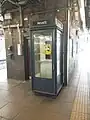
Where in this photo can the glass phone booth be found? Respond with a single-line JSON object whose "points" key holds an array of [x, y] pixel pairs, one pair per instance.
{"points": [[46, 57]]}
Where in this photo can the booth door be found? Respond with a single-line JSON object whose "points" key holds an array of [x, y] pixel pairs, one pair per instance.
{"points": [[59, 53], [43, 61]]}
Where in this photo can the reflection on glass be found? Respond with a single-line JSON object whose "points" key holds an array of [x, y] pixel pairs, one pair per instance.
{"points": [[58, 52], [43, 53]]}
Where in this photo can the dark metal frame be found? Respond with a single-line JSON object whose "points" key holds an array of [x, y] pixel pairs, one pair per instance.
{"points": [[47, 83]]}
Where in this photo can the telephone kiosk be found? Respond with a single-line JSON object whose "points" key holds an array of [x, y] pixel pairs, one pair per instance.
{"points": [[46, 55]]}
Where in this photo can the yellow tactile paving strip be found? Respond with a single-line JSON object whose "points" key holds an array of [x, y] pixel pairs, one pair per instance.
{"points": [[78, 116], [80, 105]]}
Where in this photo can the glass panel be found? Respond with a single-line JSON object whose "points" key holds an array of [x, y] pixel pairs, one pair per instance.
{"points": [[58, 52], [43, 53]]}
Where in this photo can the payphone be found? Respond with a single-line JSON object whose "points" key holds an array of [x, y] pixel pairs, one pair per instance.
{"points": [[46, 55]]}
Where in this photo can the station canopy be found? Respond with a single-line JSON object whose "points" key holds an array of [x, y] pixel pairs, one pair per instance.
{"points": [[14, 4]]}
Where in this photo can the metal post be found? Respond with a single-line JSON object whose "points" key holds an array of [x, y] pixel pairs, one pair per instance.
{"points": [[26, 59], [65, 47]]}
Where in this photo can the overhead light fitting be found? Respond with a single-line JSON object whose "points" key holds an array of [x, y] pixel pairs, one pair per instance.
{"points": [[70, 8], [25, 19], [75, 4], [58, 10]]}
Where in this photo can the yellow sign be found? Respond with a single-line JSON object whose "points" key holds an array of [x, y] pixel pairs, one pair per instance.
{"points": [[48, 49]]}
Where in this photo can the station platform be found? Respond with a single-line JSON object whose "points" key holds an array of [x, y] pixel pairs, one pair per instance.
{"points": [[18, 102]]}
